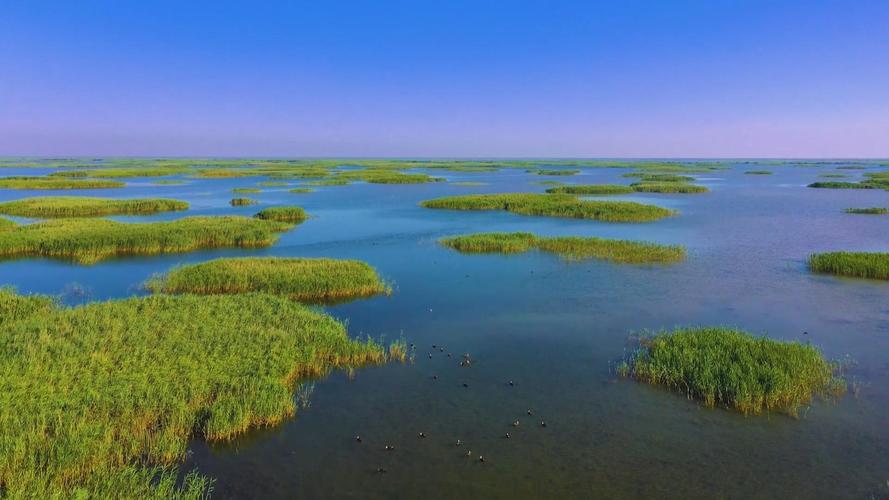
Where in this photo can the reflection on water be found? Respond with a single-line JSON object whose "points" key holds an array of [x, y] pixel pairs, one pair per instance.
{"points": [[554, 328]]}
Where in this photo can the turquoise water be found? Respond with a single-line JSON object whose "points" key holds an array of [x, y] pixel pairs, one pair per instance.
{"points": [[555, 329]]}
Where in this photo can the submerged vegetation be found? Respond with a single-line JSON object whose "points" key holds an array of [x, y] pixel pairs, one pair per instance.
{"points": [[759, 172], [284, 214], [868, 211], [840, 185], [554, 205], [100, 400], [87, 241], [873, 265], [246, 190], [78, 206], [312, 280], [568, 247], [646, 177], [734, 369], [300, 190], [49, 183]]}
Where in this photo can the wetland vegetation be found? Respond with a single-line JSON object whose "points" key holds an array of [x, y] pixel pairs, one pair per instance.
{"points": [[872, 265], [733, 369], [868, 211], [87, 241], [568, 247], [240, 202], [283, 214], [50, 183], [553, 205], [81, 206], [100, 400], [310, 280]]}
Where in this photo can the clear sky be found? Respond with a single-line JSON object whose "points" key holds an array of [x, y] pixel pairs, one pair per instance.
{"points": [[710, 78]]}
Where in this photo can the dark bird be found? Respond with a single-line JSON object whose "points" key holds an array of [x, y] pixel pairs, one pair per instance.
{"points": [[465, 385], [542, 423], [358, 438], [389, 447], [434, 346], [481, 458], [435, 377], [511, 383], [381, 470], [421, 435], [529, 412], [430, 355], [507, 435], [805, 333]]}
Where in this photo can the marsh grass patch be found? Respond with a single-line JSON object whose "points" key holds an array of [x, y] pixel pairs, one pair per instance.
{"points": [[82, 206]]}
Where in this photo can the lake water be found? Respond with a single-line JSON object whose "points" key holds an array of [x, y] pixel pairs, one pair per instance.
{"points": [[555, 329]]}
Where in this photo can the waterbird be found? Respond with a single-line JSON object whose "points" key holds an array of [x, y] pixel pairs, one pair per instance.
{"points": [[435, 377], [805, 333], [430, 355], [389, 447], [459, 442], [358, 438], [465, 384], [421, 435], [381, 470], [511, 383], [542, 423], [481, 458], [529, 412], [469, 453], [515, 424], [507, 435]]}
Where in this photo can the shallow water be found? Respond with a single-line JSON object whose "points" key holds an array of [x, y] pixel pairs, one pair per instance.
{"points": [[554, 328]]}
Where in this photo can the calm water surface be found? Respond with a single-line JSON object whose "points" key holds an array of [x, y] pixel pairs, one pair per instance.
{"points": [[555, 329]]}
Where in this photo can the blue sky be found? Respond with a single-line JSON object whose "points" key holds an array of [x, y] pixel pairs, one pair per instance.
{"points": [[453, 78]]}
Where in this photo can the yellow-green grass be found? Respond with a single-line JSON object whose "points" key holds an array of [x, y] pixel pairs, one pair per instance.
{"points": [[238, 202], [100, 400], [835, 176], [283, 214], [733, 369], [385, 177], [300, 190], [555, 172], [569, 247], [246, 190], [49, 183], [873, 265], [309, 280], [868, 211], [81, 206], [668, 187], [6, 224], [272, 184], [553, 205], [758, 172], [592, 189], [87, 241]]}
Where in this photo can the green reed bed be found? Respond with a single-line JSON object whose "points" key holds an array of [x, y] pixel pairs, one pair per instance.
{"points": [[840, 185], [553, 205], [668, 187], [733, 369], [868, 211], [592, 189], [646, 177], [246, 190], [283, 214], [311, 280], [87, 241], [240, 202], [123, 172], [758, 172], [568, 247], [834, 176], [873, 265], [273, 184], [49, 183], [6, 224], [300, 190], [543, 171], [101, 400], [81, 206], [329, 182], [385, 177]]}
